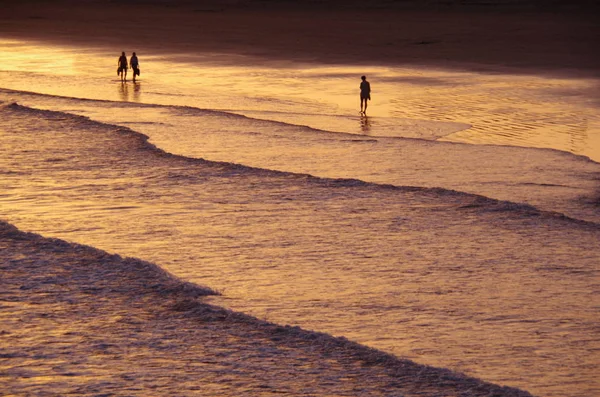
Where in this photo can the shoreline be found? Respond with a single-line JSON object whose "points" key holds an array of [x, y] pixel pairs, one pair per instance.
{"points": [[54, 131], [77, 319]]}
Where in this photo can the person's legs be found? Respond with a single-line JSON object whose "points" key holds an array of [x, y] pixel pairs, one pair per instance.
{"points": [[363, 104]]}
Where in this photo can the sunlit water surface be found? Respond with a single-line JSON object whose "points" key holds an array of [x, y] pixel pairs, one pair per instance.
{"points": [[497, 290]]}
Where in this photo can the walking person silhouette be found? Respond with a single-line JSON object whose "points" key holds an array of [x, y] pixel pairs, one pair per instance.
{"points": [[135, 65], [122, 67], [365, 94]]}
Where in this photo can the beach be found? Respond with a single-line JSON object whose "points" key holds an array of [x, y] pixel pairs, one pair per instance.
{"points": [[76, 320], [536, 37], [230, 225]]}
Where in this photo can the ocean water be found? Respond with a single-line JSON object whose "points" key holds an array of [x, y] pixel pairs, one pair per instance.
{"points": [[458, 225]]}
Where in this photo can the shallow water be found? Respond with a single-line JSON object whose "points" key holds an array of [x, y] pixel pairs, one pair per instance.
{"points": [[422, 261]]}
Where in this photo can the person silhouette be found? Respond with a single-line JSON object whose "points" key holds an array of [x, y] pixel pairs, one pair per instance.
{"points": [[135, 65], [122, 66], [365, 94]]}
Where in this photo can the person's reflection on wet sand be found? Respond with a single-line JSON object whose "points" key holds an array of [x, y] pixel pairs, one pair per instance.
{"points": [[124, 92], [365, 124], [137, 91]]}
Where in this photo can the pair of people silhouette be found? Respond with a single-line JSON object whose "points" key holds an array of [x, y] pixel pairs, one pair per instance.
{"points": [[123, 66]]}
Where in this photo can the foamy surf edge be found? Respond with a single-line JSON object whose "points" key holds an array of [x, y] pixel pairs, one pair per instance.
{"points": [[241, 114], [479, 203], [38, 268]]}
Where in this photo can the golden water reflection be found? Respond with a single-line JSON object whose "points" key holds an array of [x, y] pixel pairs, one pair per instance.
{"points": [[365, 124], [130, 91], [502, 109], [444, 278], [277, 243]]}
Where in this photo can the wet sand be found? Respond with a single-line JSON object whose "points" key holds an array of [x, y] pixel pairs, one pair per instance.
{"points": [[77, 320], [533, 37]]}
